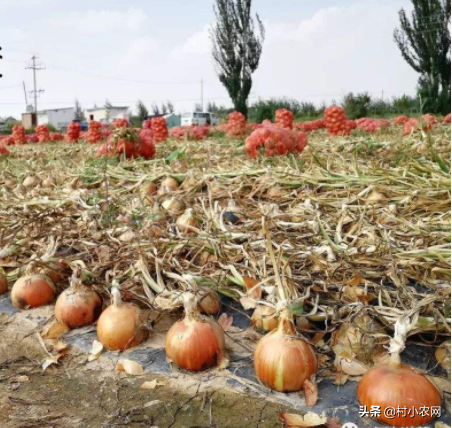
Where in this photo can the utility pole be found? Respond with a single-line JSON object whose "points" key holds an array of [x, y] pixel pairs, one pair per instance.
{"points": [[35, 91], [202, 95], [25, 93]]}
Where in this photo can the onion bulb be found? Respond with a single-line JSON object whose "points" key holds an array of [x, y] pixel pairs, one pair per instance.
{"points": [[210, 303], [31, 181], [32, 290], [186, 221], [282, 360], [264, 318], [194, 343], [78, 305], [250, 284], [275, 192], [168, 185], [3, 283], [173, 205], [119, 327], [190, 183], [398, 385], [147, 190]]}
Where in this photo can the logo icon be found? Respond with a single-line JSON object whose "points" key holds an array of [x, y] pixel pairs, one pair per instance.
{"points": [[349, 425]]}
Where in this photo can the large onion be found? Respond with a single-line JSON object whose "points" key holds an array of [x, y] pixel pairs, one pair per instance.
{"points": [[194, 343], [395, 385], [168, 185], [32, 290], [283, 361], [78, 305], [264, 318], [3, 283], [119, 327]]}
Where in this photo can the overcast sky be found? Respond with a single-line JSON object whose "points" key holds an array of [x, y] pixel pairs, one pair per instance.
{"points": [[157, 50]]}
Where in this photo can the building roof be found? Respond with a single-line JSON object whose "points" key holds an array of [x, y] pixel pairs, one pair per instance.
{"points": [[55, 109], [104, 108]]}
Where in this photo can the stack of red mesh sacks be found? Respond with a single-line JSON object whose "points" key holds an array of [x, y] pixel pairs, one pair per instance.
{"points": [[275, 140], [127, 141], [73, 132], [401, 120], [94, 134], [311, 125], [284, 118], [447, 119], [372, 125], [336, 121], [19, 134], [159, 128], [43, 133], [120, 123], [3, 150], [32, 138], [189, 133], [428, 121], [236, 125]]}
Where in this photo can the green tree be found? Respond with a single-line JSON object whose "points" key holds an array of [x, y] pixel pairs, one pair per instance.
{"points": [[78, 113], [425, 45], [155, 109], [237, 48], [142, 111], [357, 106], [107, 107]]}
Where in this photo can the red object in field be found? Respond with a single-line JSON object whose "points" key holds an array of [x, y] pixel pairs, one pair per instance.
{"points": [[351, 124], [43, 133], [147, 148], [73, 132], [19, 134], [3, 150], [410, 126], [401, 120], [160, 129], [120, 123], [32, 138], [189, 133], [7, 140], [147, 124], [94, 134], [430, 119], [236, 125], [56, 136], [447, 119], [336, 121], [372, 125], [284, 118], [275, 140], [311, 125]]}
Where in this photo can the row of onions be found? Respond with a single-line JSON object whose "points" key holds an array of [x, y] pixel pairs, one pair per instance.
{"points": [[284, 360]]}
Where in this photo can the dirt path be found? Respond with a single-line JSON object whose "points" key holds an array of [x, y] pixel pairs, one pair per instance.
{"points": [[76, 394]]}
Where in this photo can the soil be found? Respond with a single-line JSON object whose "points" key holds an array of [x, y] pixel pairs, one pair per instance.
{"points": [[75, 393]]}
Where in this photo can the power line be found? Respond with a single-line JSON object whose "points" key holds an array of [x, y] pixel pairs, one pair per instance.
{"points": [[35, 67]]}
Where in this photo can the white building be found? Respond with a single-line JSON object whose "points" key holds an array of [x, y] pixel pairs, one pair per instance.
{"points": [[103, 114], [58, 117]]}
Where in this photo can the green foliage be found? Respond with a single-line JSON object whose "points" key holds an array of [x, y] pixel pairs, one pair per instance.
{"points": [[357, 106], [265, 109], [142, 111], [78, 113], [424, 42]]}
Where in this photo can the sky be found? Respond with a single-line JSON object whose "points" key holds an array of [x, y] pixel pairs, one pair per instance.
{"points": [[157, 50]]}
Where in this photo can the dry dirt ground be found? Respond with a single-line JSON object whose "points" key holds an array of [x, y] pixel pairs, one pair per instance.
{"points": [[76, 394]]}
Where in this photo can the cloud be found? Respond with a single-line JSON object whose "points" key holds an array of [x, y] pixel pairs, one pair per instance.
{"points": [[140, 50], [101, 21], [197, 44]]}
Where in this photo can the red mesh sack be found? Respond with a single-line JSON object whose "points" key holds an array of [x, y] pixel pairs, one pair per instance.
{"points": [[284, 118], [56, 136], [19, 134], [447, 119], [32, 138], [311, 125], [42, 131], [410, 126], [351, 124], [275, 140], [147, 148], [236, 125], [3, 150], [160, 129], [94, 134], [147, 124], [430, 119], [73, 132], [120, 123], [336, 121], [190, 133], [401, 120]]}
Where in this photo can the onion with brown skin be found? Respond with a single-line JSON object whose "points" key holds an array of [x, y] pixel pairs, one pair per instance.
{"points": [[210, 303], [398, 385], [186, 221], [250, 284], [282, 360], [78, 306], [195, 343], [264, 318], [3, 282], [168, 185], [32, 290], [119, 327]]}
